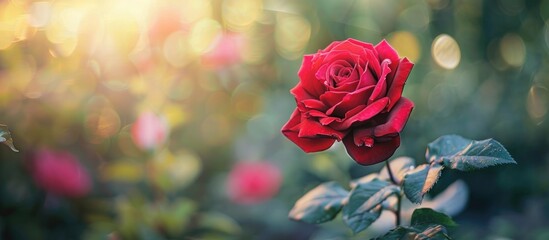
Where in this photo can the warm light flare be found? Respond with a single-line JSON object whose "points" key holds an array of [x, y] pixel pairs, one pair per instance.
{"points": [[446, 52]]}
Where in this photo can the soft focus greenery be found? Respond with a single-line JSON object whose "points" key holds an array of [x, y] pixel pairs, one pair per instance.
{"points": [[75, 75]]}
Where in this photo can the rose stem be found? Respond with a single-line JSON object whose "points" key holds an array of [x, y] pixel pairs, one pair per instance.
{"points": [[397, 213], [391, 173]]}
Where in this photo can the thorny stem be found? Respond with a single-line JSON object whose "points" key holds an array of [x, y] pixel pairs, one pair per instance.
{"points": [[399, 197]]}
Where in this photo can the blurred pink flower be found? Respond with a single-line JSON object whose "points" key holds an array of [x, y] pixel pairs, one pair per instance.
{"points": [[253, 182], [60, 173], [225, 51], [149, 131], [166, 21]]}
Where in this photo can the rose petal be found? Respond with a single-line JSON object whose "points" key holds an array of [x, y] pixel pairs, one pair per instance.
{"points": [[351, 101], [328, 73], [307, 77], [363, 137], [347, 56], [396, 120], [314, 104], [332, 98], [365, 45], [356, 47], [381, 86], [313, 129], [370, 111], [300, 93], [327, 120], [345, 86], [291, 130], [315, 113], [345, 75], [366, 51], [379, 152], [385, 51], [366, 78], [397, 85], [373, 63], [330, 47]]}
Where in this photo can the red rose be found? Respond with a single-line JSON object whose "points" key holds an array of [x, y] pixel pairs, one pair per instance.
{"points": [[253, 182], [60, 173], [351, 92]]}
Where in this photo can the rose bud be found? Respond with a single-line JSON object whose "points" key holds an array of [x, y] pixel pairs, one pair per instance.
{"points": [[351, 92], [149, 131], [253, 182], [59, 173], [224, 52]]}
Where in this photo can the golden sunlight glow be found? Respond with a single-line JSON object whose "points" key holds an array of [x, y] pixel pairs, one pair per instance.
{"points": [[203, 34], [258, 46], [64, 23], [292, 33], [406, 44], [103, 123], [445, 51], [39, 14], [13, 23], [123, 171], [177, 50], [192, 10], [240, 14]]}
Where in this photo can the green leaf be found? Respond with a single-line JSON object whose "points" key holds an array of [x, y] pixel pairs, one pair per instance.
{"points": [[464, 154], [5, 137], [400, 166], [219, 223], [365, 196], [398, 233], [358, 221], [364, 205], [434, 232], [364, 179], [427, 216], [446, 145], [321, 204], [416, 232], [426, 224], [419, 181]]}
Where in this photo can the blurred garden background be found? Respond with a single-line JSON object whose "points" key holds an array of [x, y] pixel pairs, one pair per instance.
{"points": [[142, 119]]}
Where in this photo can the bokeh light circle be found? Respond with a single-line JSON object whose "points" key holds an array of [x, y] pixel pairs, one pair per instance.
{"points": [[513, 50], [446, 52], [292, 33], [203, 34], [537, 102]]}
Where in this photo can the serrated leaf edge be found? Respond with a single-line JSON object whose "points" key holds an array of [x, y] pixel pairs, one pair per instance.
{"points": [[411, 197], [426, 188]]}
